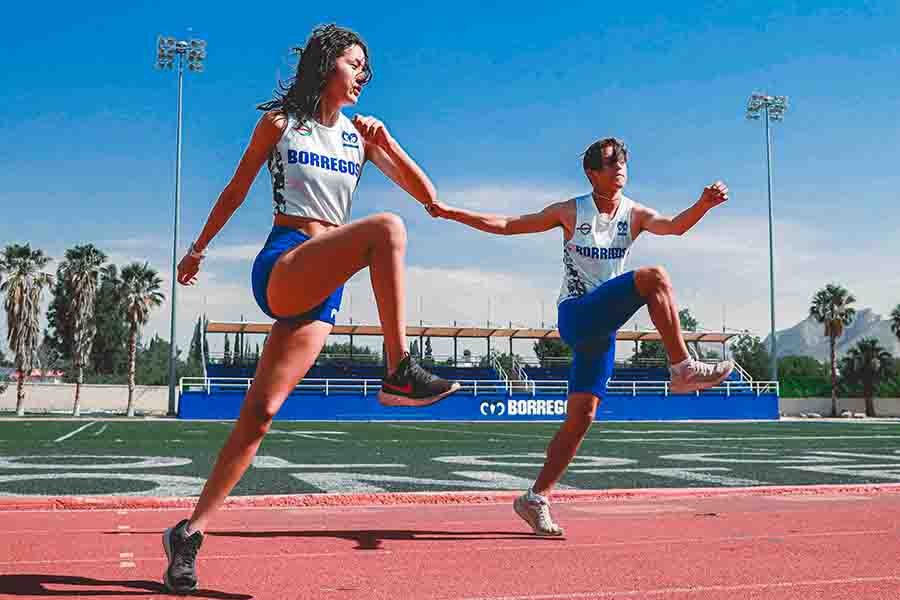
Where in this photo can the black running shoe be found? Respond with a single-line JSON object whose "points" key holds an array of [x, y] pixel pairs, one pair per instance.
{"points": [[411, 385], [181, 576]]}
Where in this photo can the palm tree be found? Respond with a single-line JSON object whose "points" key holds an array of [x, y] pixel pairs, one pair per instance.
{"points": [[24, 285], [895, 321], [831, 307], [80, 272], [141, 294], [867, 363]]}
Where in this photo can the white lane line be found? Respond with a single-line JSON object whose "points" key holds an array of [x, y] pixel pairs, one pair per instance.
{"points": [[126, 554], [490, 547], [694, 589], [70, 434], [102, 429], [126, 564]]}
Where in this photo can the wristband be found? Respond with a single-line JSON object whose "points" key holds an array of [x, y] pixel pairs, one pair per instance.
{"points": [[194, 254]]}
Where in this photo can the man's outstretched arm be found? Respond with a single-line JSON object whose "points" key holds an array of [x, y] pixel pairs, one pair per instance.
{"points": [[544, 220], [652, 221]]}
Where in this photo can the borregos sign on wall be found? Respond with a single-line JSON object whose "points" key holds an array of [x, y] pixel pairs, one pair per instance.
{"points": [[532, 407]]}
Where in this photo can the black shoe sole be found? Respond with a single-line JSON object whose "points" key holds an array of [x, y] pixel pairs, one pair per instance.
{"points": [[388, 399], [169, 585]]}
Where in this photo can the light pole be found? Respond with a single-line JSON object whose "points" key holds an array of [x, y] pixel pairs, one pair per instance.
{"points": [[194, 51], [772, 109]]}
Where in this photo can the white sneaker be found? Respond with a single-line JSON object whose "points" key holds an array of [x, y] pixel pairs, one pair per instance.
{"points": [[699, 376], [537, 515]]}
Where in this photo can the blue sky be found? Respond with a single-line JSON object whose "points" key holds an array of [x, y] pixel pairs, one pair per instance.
{"points": [[496, 101]]}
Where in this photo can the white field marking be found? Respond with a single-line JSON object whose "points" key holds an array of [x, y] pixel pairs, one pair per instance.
{"points": [[765, 457], [136, 462], [753, 438], [123, 527], [364, 483], [486, 548], [471, 433], [121, 512], [273, 462], [694, 589], [312, 435], [71, 433], [691, 474], [126, 554], [166, 485], [858, 454], [661, 431], [885, 471], [537, 460], [126, 564], [101, 430]]}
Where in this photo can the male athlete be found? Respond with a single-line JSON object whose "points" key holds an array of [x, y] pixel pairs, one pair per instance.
{"points": [[598, 297]]}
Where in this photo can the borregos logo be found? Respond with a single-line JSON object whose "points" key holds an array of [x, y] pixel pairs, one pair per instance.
{"points": [[543, 408], [497, 409]]}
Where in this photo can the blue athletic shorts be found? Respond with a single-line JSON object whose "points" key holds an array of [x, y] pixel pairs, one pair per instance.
{"points": [[280, 240], [588, 324]]}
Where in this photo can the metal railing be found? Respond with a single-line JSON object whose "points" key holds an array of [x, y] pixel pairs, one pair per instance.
{"points": [[518, 369], [483, 386], [495, 364]]}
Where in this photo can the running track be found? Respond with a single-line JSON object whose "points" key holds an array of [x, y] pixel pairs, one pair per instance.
{"points": [[826, 543]]}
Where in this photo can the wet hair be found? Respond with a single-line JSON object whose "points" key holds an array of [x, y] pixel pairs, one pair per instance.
{"points": [[593, 157], [299, 96]]}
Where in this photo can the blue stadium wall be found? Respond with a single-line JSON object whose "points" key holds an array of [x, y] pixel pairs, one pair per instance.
{"points": [[465, 407]]}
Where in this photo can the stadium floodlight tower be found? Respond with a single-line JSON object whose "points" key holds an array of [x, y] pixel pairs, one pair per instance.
{"points": [[771, 108], [193, 51]]}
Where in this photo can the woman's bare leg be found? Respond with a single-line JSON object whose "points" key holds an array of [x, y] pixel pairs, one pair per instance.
{"points": [[290, 351], [304, 276]]}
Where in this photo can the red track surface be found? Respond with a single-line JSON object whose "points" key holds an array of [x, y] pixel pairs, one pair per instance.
{"points": [[832, 544]]}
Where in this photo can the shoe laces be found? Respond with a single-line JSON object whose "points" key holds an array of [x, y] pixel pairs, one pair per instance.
{"points": [[187, 553], [544, 517], [702, 368], [416, 373]]}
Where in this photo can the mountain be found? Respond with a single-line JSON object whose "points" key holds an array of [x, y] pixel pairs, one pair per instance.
{"points": [[807, 338]]}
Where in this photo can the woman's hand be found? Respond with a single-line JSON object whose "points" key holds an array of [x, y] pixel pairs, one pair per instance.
{"points": [[372, 130], [438, 210], [189, 267]]}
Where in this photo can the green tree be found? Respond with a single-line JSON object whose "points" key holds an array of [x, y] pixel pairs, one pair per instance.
{"points": [[59, 333], [141, 294], [867, 363], [895, 321], [226, 353], [153, 363], [80, 271], [109, 354], [751, 354], [550, 348], [831, 307], [23, 282], [687, 320]]}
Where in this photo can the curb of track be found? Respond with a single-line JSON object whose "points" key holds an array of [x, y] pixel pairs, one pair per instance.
{"points": [[10, 503]]}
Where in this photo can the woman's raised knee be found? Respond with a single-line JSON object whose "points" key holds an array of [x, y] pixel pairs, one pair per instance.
{"points": [[392, 226]]}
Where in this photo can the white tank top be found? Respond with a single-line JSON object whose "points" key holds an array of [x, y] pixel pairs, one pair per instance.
{"points": [[598, 248], [315, 169]]}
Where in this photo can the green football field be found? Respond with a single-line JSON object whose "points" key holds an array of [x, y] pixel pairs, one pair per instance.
{"points": [[172, 458]]}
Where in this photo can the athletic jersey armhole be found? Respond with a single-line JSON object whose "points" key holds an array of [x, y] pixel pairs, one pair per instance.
{"points": [[570, 204]]}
